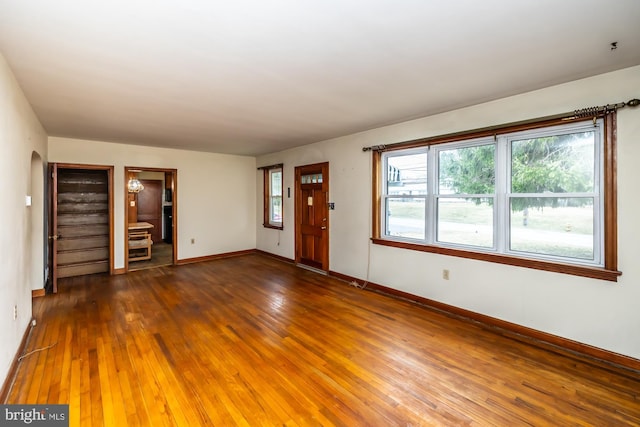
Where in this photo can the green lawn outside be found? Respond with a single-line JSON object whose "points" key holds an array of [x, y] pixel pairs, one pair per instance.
{"points": [[563, 231]]}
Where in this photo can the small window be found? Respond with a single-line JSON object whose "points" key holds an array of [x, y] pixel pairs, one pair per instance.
{"points": [[273, 197]]}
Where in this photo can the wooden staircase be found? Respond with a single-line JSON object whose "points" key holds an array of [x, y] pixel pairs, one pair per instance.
{"points": [[83, 222]]}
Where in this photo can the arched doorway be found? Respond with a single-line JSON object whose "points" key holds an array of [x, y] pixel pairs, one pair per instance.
{"points": [[37, 229]]}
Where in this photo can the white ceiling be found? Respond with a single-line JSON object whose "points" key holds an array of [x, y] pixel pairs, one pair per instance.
{"points": [[257, 76]]}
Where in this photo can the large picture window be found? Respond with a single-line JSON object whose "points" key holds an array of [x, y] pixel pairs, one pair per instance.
{"points": [[536, 197], [273, 196]]}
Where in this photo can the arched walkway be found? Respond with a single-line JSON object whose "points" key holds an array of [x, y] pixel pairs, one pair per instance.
{"points": [[37, 229]]}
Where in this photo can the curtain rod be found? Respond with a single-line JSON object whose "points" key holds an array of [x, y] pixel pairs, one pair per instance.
{"points": [[576, 114], [279, 165]]}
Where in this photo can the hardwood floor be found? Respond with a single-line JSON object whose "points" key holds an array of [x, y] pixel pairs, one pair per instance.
{"points": [[253, 341]]}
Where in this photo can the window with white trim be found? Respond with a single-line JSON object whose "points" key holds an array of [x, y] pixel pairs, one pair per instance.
{"points": [[535, 194]]}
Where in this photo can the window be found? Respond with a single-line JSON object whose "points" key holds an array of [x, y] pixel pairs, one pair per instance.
{"points": [[273, 196], [535, 197]]}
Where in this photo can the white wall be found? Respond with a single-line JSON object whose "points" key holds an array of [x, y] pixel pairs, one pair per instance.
{"points": [[215, 193], [21, 266], [600, 313]]}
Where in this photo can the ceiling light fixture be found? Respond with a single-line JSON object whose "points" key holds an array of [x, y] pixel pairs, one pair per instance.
{"points": [[134, 185]]}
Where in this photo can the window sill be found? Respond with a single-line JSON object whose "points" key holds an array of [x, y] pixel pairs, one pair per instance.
{"points": [[274, 227], [575, 270]]}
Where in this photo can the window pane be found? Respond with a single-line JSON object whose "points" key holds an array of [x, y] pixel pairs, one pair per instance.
{"points": [[276, 210], [276, 183], [466, 221], [553, 226], [558, 164], [405, 217], [407, 174], [469, 170], [275, 197]]}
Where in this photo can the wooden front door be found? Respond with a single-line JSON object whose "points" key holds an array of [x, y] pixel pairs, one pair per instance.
{"points": [[312, 215], [150, 206]]}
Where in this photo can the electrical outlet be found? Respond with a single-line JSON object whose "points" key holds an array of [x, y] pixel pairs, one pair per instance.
{"points": [[15, 312], [193, 240], [445, 274]]}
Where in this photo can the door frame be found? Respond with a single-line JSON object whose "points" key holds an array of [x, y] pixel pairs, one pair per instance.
{"points": [[174, 208], [52, 222], [299, 171]]}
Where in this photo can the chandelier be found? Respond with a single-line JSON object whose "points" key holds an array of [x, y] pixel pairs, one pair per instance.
{"points": [[134, 185]]}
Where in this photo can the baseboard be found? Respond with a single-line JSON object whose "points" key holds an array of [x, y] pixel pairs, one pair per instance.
{"points": [[278, 257], [36, 293], [512, 330], [117, 271], [214, 257], [13, 369], [347, 278]]}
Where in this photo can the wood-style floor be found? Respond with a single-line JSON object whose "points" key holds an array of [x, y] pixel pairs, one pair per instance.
{"points": [[256, 342]]}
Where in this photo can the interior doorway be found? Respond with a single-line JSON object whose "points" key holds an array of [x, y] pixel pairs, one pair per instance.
{"points": [[80, 221], [312, 216], [150, 217]]}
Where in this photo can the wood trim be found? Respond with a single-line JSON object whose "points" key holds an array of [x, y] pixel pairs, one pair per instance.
{"points": [[276, 166], [376, 169], [174, 213], [278, 257], [541, 339], [53, 247], [111, 222], [575, 270], [214, 257], [82, 166], [274, 227], [13, 368], [37, 293], [349, 279], [265, 197], [120, 271]]}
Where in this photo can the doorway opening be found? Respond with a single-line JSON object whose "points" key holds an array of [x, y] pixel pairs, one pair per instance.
{"points": [[150, 217], [37, 229], [80, 221]]}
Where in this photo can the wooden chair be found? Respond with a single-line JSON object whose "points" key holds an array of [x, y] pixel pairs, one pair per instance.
{"points": [[139, 245]]}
